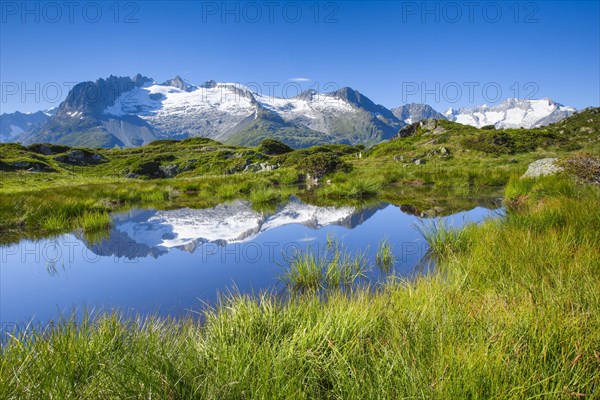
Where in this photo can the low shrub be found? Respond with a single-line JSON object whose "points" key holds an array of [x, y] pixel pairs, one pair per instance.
{"points": [[274, 147], [321, 164]]}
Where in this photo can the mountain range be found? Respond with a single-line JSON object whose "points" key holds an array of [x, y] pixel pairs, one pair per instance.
{"points": [[132, 111], [13, 124]]}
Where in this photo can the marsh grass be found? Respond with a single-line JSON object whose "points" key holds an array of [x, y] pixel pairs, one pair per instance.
{"points": [[511, 315], [93, 221], [361, 188], [385, 258], [443, 240], [333, 268], [261, 195]]}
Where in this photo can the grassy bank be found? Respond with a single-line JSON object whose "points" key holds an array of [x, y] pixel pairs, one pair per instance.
{"points": [[512, 311]]}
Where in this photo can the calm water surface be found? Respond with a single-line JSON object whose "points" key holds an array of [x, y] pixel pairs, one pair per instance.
{"points": [[171, 262]]}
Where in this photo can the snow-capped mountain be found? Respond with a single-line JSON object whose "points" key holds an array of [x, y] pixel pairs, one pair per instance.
{"points": [[512, 113], [123, 111], [13, 124], [139, 233], [414, 112]]}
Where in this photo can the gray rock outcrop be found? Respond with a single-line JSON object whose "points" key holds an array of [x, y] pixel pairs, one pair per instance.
{"points": [[542, 167]]}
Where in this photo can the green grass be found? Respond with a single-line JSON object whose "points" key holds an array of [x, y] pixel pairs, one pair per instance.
{"points": [[260, 195], [385, 259], [442, 239], [511, 312], [329, 268]]}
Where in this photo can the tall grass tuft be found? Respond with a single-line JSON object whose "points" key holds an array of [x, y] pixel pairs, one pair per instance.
{"points": [[333, 269], [93, 221], [262, 195], [385, 259], [443, 240]]}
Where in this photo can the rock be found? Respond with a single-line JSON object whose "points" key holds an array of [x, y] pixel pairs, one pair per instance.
{"points": [[32, 166], [438, 130], [260, 167], [429, 124], [329, 181], [398, 158], [80, 157], [76, 155], [442, 152], [408, 130], [543, 167], [47, 149], [132, 175], [169, 171], [21, 164], [418, 161]]}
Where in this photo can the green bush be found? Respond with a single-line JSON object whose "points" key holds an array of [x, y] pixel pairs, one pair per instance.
{"points": [[321, 164], [274, 147], [491, 142]]}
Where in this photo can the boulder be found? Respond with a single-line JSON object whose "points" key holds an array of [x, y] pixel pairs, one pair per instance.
{"points": [[80, 157], [169, 171], [543, 167], [260, 167], [31, 166], [408, 130], [429, 124]]}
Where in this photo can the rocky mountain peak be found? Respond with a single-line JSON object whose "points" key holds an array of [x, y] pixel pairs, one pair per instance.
{"points": [[179, 83], [139, 80], [211, 84], [307, 95], [414, 112]]}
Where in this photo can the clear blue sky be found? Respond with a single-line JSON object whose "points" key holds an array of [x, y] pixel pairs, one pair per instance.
{"points": [[390, 51]]}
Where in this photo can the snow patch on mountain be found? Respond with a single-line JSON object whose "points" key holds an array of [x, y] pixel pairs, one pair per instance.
{"points": [[512, 113], [312, 112], [200, 111]]}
